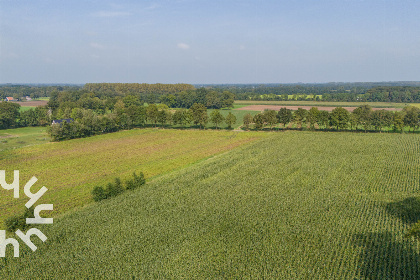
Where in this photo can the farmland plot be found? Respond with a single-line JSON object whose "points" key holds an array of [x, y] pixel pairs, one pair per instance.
{"points": [[71, 169], [297, 205]]}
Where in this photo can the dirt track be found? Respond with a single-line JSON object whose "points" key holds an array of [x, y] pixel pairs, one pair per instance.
{"points": [[329, 109]]}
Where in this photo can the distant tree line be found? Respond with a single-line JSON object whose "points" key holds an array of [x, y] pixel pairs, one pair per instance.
{"points": [[18, 92], [408, 92], [363, 118]]}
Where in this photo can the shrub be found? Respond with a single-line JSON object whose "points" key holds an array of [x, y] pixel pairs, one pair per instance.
{"points": [[136, 182], [99, 193], [114, 189]]}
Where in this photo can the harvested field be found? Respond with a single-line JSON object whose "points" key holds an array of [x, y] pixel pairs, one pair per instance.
{"points": [[35, 103], [294, 108]]}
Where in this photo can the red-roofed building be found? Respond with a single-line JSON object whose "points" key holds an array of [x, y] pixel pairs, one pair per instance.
{"points": [[9, 99]]}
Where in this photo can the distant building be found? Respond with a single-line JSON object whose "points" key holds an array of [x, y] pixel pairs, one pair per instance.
{"points": [[28, 98], [62, 120], [9, 99]]}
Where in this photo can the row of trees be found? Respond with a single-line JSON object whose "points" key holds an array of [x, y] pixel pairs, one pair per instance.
{"points": [[363, 117], [87, 122]]}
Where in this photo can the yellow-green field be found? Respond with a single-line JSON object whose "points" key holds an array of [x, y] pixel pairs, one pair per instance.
{"points": [[71, 169]]}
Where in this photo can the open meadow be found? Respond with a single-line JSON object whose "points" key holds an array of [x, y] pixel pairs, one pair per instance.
{"points": [[21, 137], [71, 169], [294, 205]]}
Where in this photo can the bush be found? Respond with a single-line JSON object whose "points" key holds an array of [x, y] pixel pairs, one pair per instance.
{"points": [[136, 182], [114, 189], [99, 194]]}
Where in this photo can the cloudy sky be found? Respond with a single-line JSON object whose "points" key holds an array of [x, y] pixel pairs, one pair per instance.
{"points": [[203, 41]]}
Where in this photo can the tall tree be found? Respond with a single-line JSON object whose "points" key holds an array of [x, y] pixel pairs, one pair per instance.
{"points": [[270, 117], [300, 116], [247, 120], [284, 116], [324, 118], [313, 116], [259, 121], [230, 120], [411, 117], [364, 116], [216, 118], [152, 113], [199, 114], [340, 118]]}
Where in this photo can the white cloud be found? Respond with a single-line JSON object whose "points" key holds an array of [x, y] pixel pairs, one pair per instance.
{"points": [[97, 46], [183, 46], [111, 14], [152, 7]]}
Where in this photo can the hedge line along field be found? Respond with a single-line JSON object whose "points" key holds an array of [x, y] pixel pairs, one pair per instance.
{"points": [[71, 169], [295, 205]]}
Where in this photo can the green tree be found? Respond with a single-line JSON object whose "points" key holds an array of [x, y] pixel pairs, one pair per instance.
{"points": [[180, 117], [230, 120], [162, 117], [324, 118], [340, 118], [411, 117], [313, 116], [284, 116], [199, 114], [300, 116], [364, 116], [398, 121], [137, 114], [270, 117], [247, 120], [259, 121], [152, 113], [9, 113], [216, 118]]}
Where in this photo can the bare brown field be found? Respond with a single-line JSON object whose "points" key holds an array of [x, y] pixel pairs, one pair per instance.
{"points": [[294, 108], [35, 103]]}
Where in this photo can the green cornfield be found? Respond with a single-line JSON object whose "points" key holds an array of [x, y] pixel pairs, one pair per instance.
{"points": [[294, 205]]}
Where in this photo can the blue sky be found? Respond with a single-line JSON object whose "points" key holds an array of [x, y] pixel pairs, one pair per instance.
{"points": [[197, 41]]}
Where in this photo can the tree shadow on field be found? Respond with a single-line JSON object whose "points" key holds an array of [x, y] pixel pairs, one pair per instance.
{"points": [[407, 210], [383, 257]]}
